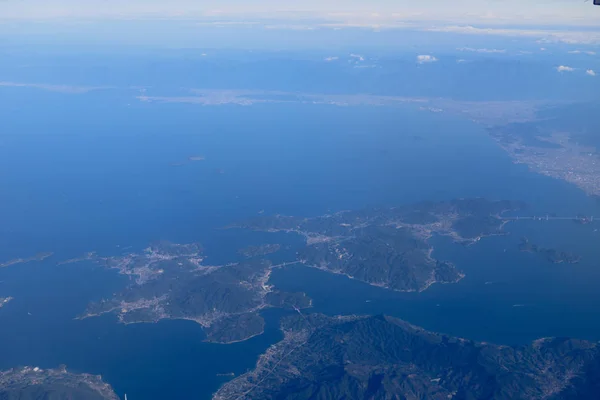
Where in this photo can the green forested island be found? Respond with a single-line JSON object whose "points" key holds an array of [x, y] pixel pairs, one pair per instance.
{"points": [[389, 247]]}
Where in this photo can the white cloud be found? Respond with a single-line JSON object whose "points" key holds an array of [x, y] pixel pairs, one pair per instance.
{"points": [[358, 57], [539, 12], [481, 50], [542, 35], [290, 27], [461, 61], [589, 53], [422, 59], [591, 72], [329, 59], [564, 68]]}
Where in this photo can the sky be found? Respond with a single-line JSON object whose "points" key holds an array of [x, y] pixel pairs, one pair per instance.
{"points": [[343, 12], [251, 23]]}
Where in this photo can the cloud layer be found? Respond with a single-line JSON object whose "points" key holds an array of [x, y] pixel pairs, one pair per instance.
{"points": [[423, 59], [489, 51], [382, 12], [564, 68]]}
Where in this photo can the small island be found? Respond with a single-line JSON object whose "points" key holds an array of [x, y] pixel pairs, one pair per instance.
{"points": [[4, 301], [381, 357], [389, 247], [37, 257], [33, 383], [172, 281], [550, 255]]}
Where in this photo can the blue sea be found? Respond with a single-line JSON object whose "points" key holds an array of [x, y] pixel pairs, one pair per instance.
{"points": [[103, 172]]}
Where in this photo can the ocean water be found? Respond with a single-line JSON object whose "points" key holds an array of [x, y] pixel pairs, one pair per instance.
{"points": [[108, 174]]}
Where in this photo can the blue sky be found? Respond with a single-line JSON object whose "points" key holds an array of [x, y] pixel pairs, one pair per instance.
{"points": [[349, 12]]}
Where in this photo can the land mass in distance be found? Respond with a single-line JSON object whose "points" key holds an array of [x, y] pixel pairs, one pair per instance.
{"points": [[37, 257]]}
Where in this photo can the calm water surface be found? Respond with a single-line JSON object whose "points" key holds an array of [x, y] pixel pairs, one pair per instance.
{"points": [[109, 176]]}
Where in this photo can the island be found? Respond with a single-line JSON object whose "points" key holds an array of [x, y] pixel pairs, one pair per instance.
{"points": [[259, 251], [37, 257], [380, 357], [384, 247], [551, 255], [171, 281], [389, 247], [4, 301], [32, 383]]}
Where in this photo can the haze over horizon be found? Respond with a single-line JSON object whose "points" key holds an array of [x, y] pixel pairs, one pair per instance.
{"points": [[529, 12]]}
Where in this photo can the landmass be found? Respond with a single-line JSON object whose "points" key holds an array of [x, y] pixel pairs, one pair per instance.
{"points": [[37, 257], [487, 112], [259, 251], [380, 357], [28, 383], [560, 142], [171, 281], [551, 255], [86, 257], [389, 247], [212, 97], [4, 301]]}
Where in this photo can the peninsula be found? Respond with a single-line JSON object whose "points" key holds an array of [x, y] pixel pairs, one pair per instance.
{"points": [[29, 383]]}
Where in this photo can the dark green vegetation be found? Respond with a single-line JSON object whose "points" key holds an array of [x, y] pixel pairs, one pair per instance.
{"points": [[389, 247], [382, 256], [551, 255], [381, 357], [53, 384], [170, 282], [259, 251], [288, 300], [235, 328], [385, 247]]}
